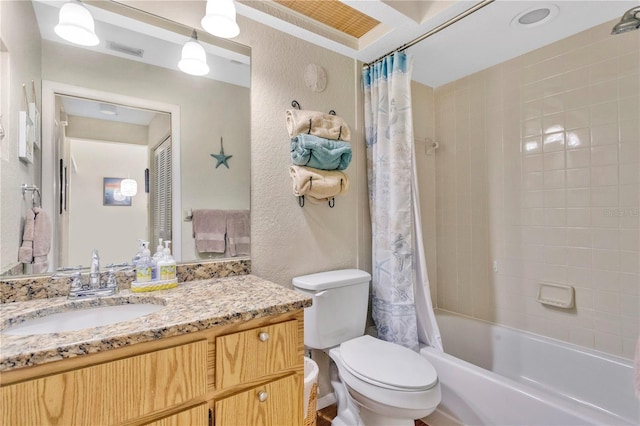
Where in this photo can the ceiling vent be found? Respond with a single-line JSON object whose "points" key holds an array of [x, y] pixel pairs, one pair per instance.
{"points": [[127, 50]]}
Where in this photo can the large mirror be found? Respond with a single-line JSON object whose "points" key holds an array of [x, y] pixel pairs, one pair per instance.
{"points": [[119, 110]]}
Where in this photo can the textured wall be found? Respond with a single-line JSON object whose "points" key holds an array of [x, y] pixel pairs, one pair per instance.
{"points": [[538, 174], [20, 65]]}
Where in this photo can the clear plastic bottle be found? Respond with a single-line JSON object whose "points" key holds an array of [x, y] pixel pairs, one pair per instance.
{"points": [[167, 265], [157, 256], [136, 258], [146, 267]]}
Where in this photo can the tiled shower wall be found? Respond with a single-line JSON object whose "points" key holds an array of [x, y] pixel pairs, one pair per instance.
{"points": [[537, 180]]}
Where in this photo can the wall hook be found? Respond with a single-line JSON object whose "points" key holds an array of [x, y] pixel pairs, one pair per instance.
{"points": [[301, 200], [295, 104]]}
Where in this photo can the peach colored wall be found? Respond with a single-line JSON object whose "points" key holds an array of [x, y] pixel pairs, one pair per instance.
{"points": [[538, 174]]}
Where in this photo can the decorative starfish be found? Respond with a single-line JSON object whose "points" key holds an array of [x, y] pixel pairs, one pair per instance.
{"points": [[222, 159]]}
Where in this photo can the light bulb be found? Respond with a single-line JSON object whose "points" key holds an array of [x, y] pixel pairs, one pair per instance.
{"points": [[128, 187], [220, 19], [75, 24], [194, 58]]}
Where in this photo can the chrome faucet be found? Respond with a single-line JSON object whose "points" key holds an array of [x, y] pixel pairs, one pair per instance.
{"points": [[94, 286], [94, 271]]}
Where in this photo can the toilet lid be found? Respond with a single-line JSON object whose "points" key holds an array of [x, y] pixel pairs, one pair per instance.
{"points": [[387, 364]]}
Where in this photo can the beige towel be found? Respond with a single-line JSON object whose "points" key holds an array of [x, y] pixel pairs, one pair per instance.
{"points": [[318, 184], [323, 125], [36, 240], [41, 234], [238, 232], [209, 227]]}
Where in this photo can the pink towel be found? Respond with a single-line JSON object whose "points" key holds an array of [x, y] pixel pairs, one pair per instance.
{"points": [[238, 232], [636, 368], [209, 228], [36, 239]]}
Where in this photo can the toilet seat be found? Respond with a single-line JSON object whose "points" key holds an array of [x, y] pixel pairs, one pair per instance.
{"points": [[387, 365]]}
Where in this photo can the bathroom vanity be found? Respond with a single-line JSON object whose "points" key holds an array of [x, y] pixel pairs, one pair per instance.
{"points": [[221, 351]]}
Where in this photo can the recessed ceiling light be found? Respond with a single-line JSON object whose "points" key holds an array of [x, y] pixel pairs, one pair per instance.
{"points": [[535, 16]]}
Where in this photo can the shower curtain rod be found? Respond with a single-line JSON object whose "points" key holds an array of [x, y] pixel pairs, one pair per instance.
{"points": [[435, 30]]}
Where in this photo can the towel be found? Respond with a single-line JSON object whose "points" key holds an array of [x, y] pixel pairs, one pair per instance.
{"points": [[323, 125], [318, 184], [636, 367], [238, 232], [209, 228], [320, 153], [36, 240]]}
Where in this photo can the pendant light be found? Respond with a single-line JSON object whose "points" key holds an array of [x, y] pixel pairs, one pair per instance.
{"points": [[194, 58], [128, 187], [220, 19], [75, 24]]}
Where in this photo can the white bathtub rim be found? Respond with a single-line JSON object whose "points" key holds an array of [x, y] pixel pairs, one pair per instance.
{"points": [[589, 414], [627, 362]]}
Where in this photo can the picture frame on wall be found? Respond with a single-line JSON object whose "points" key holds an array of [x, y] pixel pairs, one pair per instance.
{"points": [[111, 193], [25, 137]]}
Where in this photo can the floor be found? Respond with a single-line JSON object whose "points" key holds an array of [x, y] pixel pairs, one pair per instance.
{"points": [[327, 414]]}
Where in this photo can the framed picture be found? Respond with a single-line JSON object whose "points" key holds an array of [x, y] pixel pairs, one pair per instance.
{"points": [[34, 115], [112, 194], [25, 137]]}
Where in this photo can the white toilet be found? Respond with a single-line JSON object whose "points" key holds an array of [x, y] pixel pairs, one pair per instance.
{"points": [[377, 383]]}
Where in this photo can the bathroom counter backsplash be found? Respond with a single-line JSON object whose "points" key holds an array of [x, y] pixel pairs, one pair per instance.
{"points": [[192, 306], [44, 287]]}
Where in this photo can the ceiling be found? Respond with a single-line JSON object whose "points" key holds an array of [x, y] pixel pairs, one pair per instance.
{"points": [[480, 40]]}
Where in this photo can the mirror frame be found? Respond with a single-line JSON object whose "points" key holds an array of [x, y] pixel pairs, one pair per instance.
{"points": [[50, 184]]}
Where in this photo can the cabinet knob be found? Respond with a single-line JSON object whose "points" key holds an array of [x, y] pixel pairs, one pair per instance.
{"points": [[262, 396], [264, 336]]}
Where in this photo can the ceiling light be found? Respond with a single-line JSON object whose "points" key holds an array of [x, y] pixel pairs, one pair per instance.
{"points": [[194, 58], [128, 187], [75, 24], [108, 109], [220, 19], [535, 16]]}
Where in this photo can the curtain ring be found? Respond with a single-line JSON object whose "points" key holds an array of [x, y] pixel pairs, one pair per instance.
{"points": [[295, 104], [332, 112], [301, 200], [340, 133], [332, 202], [309, 131], [310, 182]]}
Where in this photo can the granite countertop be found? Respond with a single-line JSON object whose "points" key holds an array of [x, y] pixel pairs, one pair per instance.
{"points": [[192, 306]]}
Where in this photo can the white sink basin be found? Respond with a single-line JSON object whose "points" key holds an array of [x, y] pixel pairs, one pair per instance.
{"points": [[79, 319]]}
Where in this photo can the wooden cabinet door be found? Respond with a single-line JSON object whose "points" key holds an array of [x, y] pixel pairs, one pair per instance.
{"points": [[248, 355], [278, 403], [109, 393]]}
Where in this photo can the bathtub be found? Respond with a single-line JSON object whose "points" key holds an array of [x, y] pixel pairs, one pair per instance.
{"points": [[494, 375]]}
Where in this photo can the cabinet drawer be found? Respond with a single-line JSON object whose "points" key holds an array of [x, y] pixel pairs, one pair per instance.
{"points": [[112, 392], [196, 416], [248, 355], [278, 403]]}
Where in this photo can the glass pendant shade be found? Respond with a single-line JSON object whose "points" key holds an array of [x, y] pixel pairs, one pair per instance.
{"points": [[75, 24], [220, 19], [128, 187], [194, 58]]}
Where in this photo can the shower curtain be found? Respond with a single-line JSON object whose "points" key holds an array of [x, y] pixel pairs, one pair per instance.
{"points": [[401, 303]]}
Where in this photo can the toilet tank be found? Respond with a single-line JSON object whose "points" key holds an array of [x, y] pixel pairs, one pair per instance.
{"points": [[339, 310]]}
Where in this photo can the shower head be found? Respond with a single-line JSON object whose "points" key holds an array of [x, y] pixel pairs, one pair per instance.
{"points": [[628, 22]]}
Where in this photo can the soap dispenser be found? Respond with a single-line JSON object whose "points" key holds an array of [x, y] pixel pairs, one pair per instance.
{"points": [[167, 265], [136, 258], [145, 269]]}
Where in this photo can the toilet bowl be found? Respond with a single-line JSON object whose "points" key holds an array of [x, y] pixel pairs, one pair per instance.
{"points": [[390, 385], [376, 383]]}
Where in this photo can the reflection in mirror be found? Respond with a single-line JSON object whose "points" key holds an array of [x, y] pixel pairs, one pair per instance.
{"points": [[134, 69]]}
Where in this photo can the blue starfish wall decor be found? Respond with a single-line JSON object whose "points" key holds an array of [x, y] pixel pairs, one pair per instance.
{"points": [[222, 159]]}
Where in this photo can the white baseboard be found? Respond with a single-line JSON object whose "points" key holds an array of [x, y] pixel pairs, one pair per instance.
{"points": [[325, 401]]}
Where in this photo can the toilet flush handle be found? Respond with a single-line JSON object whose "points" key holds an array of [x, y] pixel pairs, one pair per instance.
{"points": [[320, 293]]}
